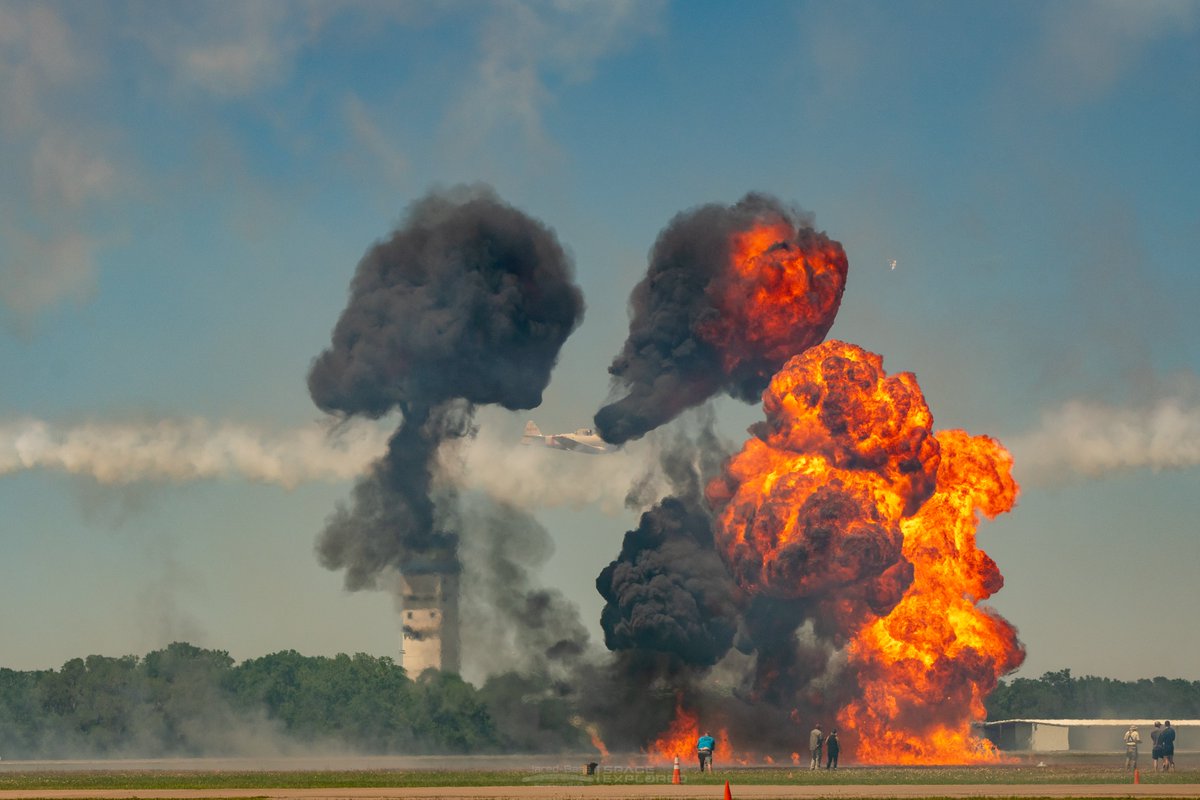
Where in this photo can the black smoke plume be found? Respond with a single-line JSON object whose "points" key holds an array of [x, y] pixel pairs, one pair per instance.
{"points": [[668, 591], [467, 302], [677, 354]]}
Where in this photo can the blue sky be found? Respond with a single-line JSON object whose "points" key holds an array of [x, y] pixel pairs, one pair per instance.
{"points": [[185, 191]]}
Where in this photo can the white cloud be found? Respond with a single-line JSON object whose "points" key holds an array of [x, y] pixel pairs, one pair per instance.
{"points": [[225, 49], [37, 54], [526, 45], [39, 272], [386, 157], [66, 173], [1086, 47], [48, 176]]}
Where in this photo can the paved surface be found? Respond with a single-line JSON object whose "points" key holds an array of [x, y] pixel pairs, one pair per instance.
{"points": [[629, 792]]}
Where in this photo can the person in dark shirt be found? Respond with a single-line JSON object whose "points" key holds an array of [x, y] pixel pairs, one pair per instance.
{"points": [[832, 748], [1166, 740]]}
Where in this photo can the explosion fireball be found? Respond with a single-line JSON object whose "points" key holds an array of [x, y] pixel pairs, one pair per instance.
{"points": [[827, 572], [926, 668], [845, 525], [730, 294]]}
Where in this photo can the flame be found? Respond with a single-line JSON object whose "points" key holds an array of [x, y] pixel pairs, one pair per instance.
{"points": [[593, 732], [679, 740], [597, 742], [778, 297], [847, 504], [926, 668], [811, 506]]}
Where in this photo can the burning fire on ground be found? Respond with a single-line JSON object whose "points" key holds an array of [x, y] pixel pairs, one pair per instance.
{"points": [[679, 741], [938, 648], [845, 512]]}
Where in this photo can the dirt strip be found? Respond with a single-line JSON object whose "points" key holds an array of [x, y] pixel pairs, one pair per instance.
{"points": [[626, 792]]}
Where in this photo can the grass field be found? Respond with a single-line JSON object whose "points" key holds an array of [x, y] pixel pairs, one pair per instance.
{"points": [[572, 776]]}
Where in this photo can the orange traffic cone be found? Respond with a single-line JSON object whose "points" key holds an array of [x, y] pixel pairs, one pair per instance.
{"points": [[728, 796], [675, 773], [1137, 776]]}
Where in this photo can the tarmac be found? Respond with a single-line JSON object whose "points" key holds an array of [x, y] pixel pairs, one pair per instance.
{"points": [[625, 792]]}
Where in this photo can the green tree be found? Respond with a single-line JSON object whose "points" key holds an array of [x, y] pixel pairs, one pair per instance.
{"points": [[187, 709], [91, 703], [450, 716], [20, 713]]}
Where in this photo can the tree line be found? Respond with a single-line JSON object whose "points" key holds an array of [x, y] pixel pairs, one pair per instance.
{"points": [[188, 701], [1058, 695]]}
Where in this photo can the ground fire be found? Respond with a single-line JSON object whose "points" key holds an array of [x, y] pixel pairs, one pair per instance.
{"points": [[845, 525], [926, 668], [826, 572]]}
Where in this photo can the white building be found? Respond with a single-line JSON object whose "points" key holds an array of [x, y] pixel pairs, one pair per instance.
{"points": [[1083, 735], [429, 636]]}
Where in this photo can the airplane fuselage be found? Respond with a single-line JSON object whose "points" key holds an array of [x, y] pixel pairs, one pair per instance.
{"points": [[583, 440]]}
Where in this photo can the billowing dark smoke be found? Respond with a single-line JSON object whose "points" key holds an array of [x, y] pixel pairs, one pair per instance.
{"points": [[730, 294], [698, 322], [668, 591], [760, 605], [467, 302]]}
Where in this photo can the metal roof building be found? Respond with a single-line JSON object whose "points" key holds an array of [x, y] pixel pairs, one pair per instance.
{"points": [[1083, 735]]}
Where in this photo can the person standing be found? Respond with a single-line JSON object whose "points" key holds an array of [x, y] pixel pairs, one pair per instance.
{"points": [[1155, 747], [832, 748], [815, 740], [1166, 740], [704, 749], [1132, 739]]}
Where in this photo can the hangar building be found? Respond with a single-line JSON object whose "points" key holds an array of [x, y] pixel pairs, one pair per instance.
{"points": [[1083, 735]]}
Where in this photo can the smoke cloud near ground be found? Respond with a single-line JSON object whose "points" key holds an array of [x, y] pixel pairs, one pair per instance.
{"points": [[509, 622], [667, 591]]}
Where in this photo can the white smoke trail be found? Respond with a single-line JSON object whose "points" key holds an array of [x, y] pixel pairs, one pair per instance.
{"points": [[1091, 439], [187, 450], [532, 476], [182, 450]]}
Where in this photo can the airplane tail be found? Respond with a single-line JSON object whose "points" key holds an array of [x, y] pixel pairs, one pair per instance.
{"points": [[532, 433]]}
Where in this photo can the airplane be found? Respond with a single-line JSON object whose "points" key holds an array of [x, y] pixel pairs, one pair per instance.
{"points": [[584, 440]]}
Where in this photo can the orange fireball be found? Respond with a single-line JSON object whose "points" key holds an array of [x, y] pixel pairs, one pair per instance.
{"points": [[811, 507], [778, 297], [926, 668]]}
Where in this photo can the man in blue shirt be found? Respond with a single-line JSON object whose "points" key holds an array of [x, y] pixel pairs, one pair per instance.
{"points": [[704, 748]]}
